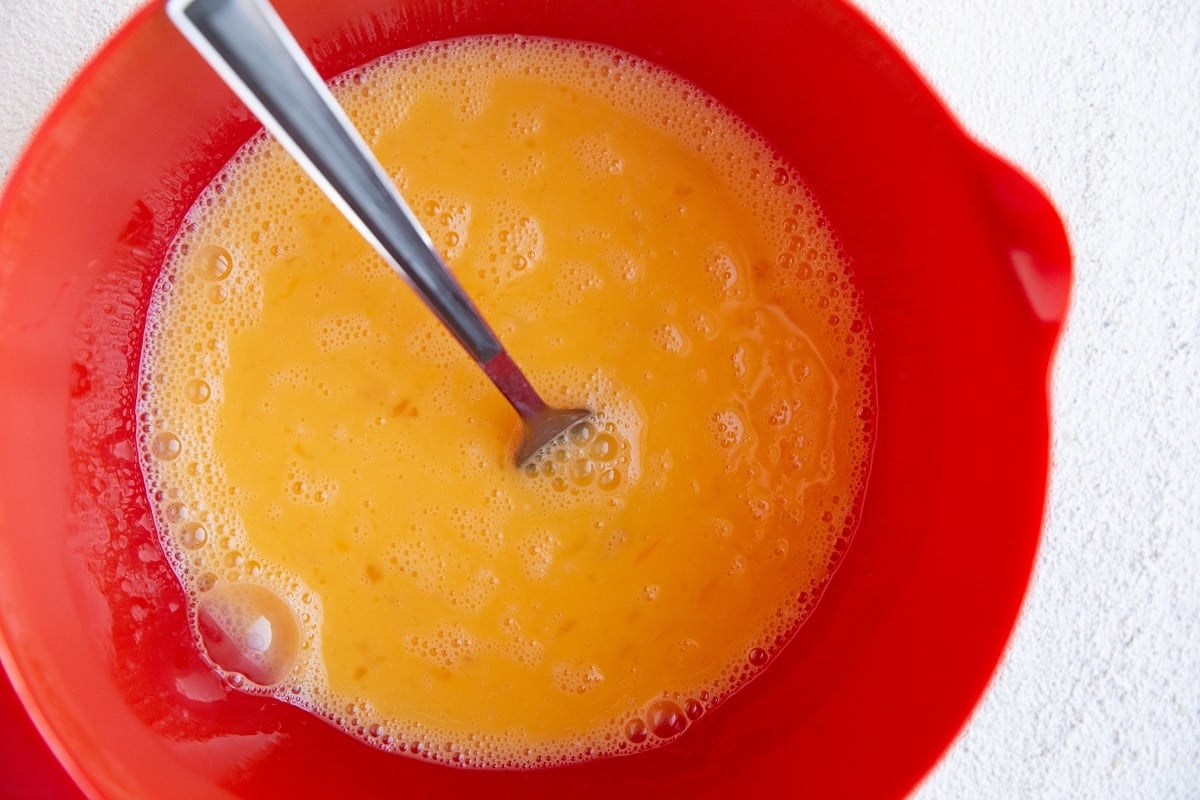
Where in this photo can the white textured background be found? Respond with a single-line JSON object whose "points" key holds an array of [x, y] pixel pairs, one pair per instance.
{"points": [[1099, 693]]}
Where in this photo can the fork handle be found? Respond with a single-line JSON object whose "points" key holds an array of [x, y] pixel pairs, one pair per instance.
{"points": [[249, 46]]}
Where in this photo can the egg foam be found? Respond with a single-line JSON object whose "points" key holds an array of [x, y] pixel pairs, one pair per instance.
{"points": [[332, 478]]}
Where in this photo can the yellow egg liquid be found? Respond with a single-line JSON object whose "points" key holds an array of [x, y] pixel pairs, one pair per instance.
{"points": [[333, 478]]}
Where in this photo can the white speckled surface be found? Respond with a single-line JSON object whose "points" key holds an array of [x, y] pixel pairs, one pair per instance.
{"points": [[1099, 693]]}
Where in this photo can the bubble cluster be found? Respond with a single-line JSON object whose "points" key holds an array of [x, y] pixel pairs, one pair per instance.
{"points": [[305, 487], [527, 121], [537, 553], [663, 719], [479, 529], [576, 678], [593, 455], [337, 332], [515, 244], [727, 427], [447, 220], [672, 340], [598, 156], [724, 274], [474, 593], [447, 647], [416, 560]]}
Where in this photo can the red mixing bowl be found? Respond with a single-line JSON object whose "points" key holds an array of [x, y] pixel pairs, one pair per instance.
{"points": [[965, 269]]}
